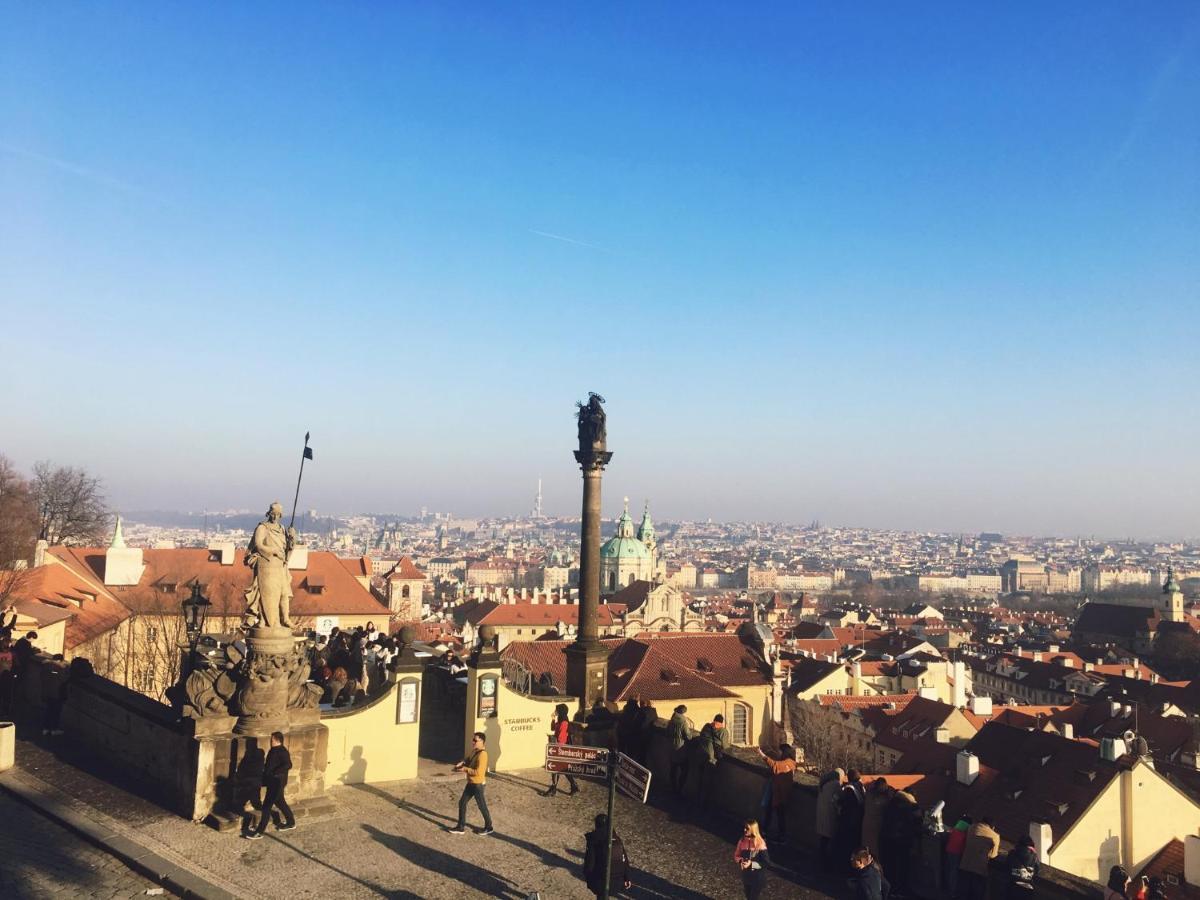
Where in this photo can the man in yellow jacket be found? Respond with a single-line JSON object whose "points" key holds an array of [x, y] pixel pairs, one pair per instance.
{"points": [[475, 765]]}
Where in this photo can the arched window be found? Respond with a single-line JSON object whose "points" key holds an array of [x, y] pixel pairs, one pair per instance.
{"points": [[631, 577], [741, 724]]}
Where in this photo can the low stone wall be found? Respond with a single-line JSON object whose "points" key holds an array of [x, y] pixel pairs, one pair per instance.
{"points": [[738, 789]]}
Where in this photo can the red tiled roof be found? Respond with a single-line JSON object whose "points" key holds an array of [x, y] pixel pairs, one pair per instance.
{"points": [[225, 586], [489, 612], [1168, 864], [92, 609], [867, 702], [358, 566], [404, 570]]}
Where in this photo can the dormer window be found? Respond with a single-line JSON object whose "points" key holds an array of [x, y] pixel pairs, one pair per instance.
{"points": [[315, 584], [668, 676], [704, 664], [167, 587]]}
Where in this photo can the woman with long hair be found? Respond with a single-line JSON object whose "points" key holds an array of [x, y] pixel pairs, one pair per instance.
{"points": [[752, 859], [560, 734]]}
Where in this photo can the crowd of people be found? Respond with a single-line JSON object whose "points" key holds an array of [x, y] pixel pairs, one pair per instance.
{"points": [[349, 664]]}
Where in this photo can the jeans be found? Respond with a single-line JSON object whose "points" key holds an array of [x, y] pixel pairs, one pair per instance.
{"points": [[476, 791], [275, 799], [570, 780]]}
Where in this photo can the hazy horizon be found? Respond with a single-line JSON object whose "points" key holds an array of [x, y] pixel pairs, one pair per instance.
{"points": [[929, 268]]}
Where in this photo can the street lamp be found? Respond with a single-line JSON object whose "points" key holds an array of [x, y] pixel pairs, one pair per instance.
{"points": [[195, 610]]}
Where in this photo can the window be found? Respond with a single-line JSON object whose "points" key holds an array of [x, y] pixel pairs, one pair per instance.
{"points": [[406, 591], [151, 633], [741, 723]]}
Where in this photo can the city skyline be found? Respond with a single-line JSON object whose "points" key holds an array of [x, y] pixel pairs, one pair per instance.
{"points": [[924, 269]]}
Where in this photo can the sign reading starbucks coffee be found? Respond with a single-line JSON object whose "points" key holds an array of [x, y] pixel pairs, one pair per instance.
{"points": [[488, 688]]}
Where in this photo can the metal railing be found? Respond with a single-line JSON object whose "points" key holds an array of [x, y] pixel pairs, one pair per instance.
{"points": [[517, 676]]}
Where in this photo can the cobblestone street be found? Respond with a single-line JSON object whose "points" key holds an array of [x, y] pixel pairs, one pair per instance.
{"points": [[42, 859], [390, 841]]}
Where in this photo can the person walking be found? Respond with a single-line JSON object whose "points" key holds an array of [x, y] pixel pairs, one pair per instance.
{"points": [[827, 815], [782, 779], [1023, 867], [560, 727], [752, 858], [680, 731], [275, 778], [475, 765], [866, 878], [593, 860], [981, 847]]}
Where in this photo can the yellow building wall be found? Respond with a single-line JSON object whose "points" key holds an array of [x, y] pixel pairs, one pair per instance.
{"points": [[517, 735], [1093, 845], [366, 746], [839, 681], [1158, 813], [703, 710]]}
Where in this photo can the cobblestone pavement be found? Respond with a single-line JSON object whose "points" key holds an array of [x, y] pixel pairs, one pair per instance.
{"points": [[390, 841], [43, 859]]}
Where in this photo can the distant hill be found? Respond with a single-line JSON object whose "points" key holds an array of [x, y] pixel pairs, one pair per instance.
{"points": [[222, 522]]}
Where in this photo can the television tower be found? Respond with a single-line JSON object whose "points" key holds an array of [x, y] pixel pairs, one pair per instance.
{"points": [[537, 501]]}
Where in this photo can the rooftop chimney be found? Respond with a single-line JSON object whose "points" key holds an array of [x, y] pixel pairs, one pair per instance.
{"points": [[1191, 860], [298, 558], [942, 734], [227, 550], [981, 706], [968, 767], [1068, 731], [1043, 837], [960, 684]]}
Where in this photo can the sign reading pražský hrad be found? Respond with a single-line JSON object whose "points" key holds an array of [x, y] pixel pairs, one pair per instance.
{"points": [[588, 762]]}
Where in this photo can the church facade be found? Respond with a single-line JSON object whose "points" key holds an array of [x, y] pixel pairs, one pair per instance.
{"points": [[630, 555]]}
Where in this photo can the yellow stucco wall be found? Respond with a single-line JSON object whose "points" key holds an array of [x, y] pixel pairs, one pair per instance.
{"points": [[517, 735], [1093, 845], [366, 746], [702, 710]]}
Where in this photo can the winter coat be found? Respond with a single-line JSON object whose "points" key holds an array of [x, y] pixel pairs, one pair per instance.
{"points": [[277, 766], [713, 743], [679, 731], [902, 820], [593, 863], [827, 804], [869, 884], [1022, 868], [983, 844], [873, 814]]}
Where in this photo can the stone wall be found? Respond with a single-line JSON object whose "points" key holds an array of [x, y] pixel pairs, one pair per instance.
{"points": [[738, 789], [369, 744]]}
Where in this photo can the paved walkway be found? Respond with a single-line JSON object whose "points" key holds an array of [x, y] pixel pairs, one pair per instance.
{"points": [[390, 840], [42, 859]]}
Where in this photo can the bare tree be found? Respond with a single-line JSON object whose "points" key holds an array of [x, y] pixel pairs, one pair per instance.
{"points": [[18, 529], [824, 745], [71, 505]]}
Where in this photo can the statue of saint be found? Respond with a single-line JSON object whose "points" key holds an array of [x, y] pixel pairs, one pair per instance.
{"points": [[269, 596], [593, 430]]}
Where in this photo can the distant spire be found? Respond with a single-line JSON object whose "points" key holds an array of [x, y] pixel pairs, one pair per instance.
{"points": [[118, 539]]}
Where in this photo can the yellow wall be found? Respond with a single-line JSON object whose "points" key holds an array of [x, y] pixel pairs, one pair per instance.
{"points": [[702, 711], [838, 680], [517, 735], [1093, 845], [366, 746]]}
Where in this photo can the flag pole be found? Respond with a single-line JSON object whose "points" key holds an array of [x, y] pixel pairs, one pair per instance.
{"points": [[307, 454]]}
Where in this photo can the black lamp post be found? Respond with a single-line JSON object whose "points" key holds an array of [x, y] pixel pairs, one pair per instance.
{"points": [[195, 611]]}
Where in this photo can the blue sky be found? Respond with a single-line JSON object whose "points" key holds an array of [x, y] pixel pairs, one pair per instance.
{"points": [[930, 267]]}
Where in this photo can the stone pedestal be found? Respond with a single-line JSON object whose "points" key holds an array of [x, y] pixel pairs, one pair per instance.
{"points": [[262, 699]]}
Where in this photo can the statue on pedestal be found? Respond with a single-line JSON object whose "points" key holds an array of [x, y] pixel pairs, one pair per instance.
{"points": [[593, 429], [269, 597]]}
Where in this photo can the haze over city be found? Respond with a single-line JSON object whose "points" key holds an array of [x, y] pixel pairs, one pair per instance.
{"points": [[929, 269]]}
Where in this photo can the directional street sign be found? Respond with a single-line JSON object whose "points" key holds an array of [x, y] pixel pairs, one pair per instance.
{"points": [[633, 780], [588, 762]]}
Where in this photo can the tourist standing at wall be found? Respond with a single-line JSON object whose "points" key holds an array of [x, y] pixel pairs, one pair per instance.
{"points": [[827, 815], [878, 795], [475, 766], [714, 741], [902, 822], [981, 847], [782, 779], [680, 731], [956, 840], [275, 778], [752, 858], [851, 801], [560, 732], [1023, 867]]}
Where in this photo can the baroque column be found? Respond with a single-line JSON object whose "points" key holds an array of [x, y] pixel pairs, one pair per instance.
{"points": [[587, 659]]}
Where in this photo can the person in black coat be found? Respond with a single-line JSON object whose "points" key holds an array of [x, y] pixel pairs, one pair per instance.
{"points": [[866, 879], [593, 860], [275, 779], [851, 805], [248, 780], [1023, 868]]}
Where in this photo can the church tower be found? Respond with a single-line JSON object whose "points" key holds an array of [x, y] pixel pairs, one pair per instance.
{"points": [[1172, 598]]}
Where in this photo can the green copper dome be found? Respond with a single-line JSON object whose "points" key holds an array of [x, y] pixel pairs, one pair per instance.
{"points": [[624, 545]]}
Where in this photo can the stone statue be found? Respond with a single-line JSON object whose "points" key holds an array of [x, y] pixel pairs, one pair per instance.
{"points": [[208, 690], [269, 597], [593, 432], [302, 693]]}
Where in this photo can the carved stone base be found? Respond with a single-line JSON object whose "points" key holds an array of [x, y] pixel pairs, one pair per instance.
{"points": [[262, 699]]}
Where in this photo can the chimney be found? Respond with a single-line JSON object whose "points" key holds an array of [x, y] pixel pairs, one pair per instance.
{"points": [[981, 706], [1067, 662], [1043, 837], [1068, 731], [968, 767], [227, 549], [1191, 860], [1054, 648], [1037, 656], [960, 685], [942, 734], [39, 553], [927, 693]]}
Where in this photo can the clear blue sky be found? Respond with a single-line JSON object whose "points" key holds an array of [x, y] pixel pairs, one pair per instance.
{"points": [[934, 266]]}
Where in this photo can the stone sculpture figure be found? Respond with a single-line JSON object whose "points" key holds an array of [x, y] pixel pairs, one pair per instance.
{"points": [[302, 693], [268, 599], [593, 430], [208, 690]]}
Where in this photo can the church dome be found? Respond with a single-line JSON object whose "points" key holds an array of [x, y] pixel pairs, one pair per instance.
{"points": [[624, 544]]}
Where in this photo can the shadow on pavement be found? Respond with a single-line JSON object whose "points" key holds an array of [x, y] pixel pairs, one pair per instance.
{"points": [[647, 886], [471, 876]]}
